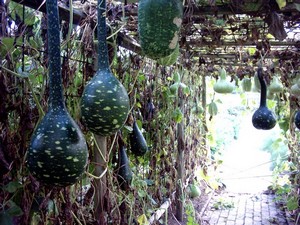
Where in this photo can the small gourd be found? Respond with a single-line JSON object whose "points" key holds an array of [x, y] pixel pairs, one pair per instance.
{"points": [[105, 102], [275, 86], [159, 22], [124, 171], [194, 190], [295, 88], [246, 84], [297, 119], [222, 85], [256, 83], [263, 118], [58, 152], [137, 141]]}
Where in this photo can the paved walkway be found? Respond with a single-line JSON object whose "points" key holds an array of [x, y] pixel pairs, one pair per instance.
{"points": [[243, 209], [246, 172]]}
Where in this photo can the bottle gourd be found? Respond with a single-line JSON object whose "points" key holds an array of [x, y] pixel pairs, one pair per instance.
{"points": [[223, 86], [58, 152], [263, 118], [105, 102], [159, 22]]}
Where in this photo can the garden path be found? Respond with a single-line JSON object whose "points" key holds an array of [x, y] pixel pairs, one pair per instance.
{"points": [[246, 172]]}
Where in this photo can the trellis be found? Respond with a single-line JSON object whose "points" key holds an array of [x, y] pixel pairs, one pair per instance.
{"points": [[212, 34]]}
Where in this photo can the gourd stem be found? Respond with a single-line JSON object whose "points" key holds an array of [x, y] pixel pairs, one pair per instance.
{"points": [[103, 63], [55, 78], [263, 87]]}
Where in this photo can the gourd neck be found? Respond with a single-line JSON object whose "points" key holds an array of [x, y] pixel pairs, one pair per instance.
{"points": [[103, 63], [263, 88], [55, 78], [222, 74]]}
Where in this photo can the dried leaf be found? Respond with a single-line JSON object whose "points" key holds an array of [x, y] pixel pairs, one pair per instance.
{"points": [[276, 27]]}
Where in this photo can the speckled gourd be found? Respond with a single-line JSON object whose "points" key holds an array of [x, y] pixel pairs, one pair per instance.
{"points": [[297, 119], [159, 22], [58, 152], [138, 143], [105, 102], [124, 171], [263, 118]]}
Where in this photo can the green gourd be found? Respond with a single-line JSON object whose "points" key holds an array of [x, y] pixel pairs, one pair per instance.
{"points": [[297, 119], [124, 171], [137, 141], [194, 190], [275, 86], [263, 118], [105, 102], [58, 152], [295, 89], [256, 83], [246, 84], [223, 86], [159, 22]]}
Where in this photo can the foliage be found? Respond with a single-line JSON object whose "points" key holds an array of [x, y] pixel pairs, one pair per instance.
{"points": [[223, 203], [153, 90]]}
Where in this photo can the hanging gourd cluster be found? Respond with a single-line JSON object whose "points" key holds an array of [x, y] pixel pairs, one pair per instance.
{"points": [[58, 152], [263, 118]]}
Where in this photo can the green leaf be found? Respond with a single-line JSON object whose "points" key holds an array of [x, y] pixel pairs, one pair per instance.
{"points": [[177, 115], [212, 109], [281, 3], [142, 193], [9, 45], [176, 77], [17, 11], [12, 186], [292, 203], [297, 6], [14, 209], [142, 220], [251, 51]]}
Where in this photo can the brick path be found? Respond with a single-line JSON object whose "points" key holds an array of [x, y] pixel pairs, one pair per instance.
{"points": [[243, 209]]}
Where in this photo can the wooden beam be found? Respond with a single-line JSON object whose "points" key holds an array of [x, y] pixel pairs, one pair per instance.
{"points": [[64, 11], [199, 43]]}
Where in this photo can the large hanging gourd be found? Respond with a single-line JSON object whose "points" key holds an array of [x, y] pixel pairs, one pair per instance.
{"points": [[105, 102], [263, 118], [159, 22], [58, 152]]}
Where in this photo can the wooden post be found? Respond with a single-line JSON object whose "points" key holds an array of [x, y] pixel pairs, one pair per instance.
{"points": [[203, 100], [179, 198], [100, 184]]}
